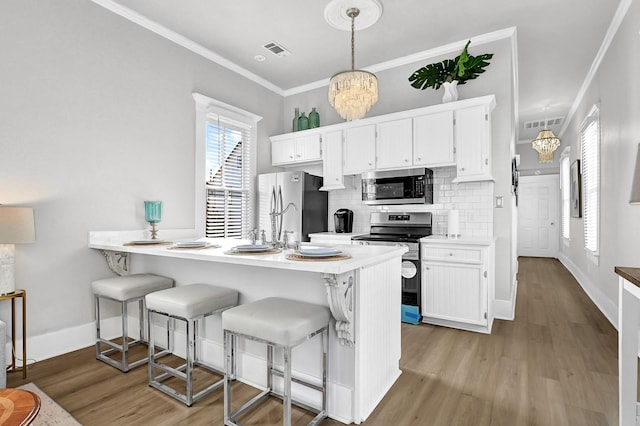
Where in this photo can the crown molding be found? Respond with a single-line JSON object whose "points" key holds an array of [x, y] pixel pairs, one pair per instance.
{"points": [[185, 42], [417, 57], [621, 12]]}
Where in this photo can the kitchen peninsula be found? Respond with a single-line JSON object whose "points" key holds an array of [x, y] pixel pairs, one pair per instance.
{"points": [[363, 293]]}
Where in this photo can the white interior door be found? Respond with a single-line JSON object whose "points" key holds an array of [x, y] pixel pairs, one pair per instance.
{"points": [[538, 216]]}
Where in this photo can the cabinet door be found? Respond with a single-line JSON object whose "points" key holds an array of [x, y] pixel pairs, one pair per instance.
{"points": [[332, 161], [307, 148], [473, 141], [359, 149], [282, 152], [433, 140], [454, 292], [394, 144]]}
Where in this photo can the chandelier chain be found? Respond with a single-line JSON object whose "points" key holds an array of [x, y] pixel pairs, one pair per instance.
{"points": [[353, 41]]}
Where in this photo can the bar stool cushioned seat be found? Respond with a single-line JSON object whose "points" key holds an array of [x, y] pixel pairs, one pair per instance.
{"points": [[125, 289], [279, 323], [189, 303]]}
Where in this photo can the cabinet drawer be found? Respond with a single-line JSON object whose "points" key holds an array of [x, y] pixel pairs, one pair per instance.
{"points": [[450, 254]]}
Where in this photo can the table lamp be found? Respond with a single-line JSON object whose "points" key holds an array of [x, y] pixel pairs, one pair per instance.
{"points": [[153, 215], [16, 227]]}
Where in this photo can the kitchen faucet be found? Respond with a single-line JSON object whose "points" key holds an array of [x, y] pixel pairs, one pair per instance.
{"points": [[275, 232]]}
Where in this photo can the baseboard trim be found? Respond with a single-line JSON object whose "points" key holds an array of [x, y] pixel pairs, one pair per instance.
{"points": [[606, 306], [506, 309]]}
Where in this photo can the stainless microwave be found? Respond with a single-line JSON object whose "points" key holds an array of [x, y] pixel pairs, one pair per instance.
{"points": [[409, 186]]}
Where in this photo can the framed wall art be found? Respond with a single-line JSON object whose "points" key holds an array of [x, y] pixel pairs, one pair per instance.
{"points": [[576, 189]]}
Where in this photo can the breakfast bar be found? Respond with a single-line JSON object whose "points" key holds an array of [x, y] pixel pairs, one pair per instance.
{"points": [[361, 287]]}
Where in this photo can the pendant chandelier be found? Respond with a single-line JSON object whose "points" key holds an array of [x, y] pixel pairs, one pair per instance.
{"points": [[546, 143], [353, 93]]}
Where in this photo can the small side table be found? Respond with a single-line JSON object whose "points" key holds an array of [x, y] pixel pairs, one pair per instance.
{"points": [[23, 294], [18, 407]]}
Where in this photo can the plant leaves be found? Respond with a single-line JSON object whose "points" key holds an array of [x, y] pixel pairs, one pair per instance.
{"points": [[462, 60], [432, 75], [464, 67]]}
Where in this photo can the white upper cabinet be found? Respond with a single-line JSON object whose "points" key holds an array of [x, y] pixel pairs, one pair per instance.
{"points": [[473, 140], [455, 133], [293, 149], [359, 149], [394, 144], [332, 161], [433, 140]]}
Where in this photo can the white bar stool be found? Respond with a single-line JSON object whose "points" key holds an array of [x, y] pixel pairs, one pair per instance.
{"points": [[124, 290], [189, 303], [280, 323]]}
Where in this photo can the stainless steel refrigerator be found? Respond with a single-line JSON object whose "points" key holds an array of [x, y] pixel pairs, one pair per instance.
{"points": [[299, 191]]}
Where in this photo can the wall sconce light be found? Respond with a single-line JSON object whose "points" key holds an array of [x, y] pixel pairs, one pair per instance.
{"points": [[635, 184]]}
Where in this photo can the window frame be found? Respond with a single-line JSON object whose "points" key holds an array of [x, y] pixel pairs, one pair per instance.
{"points": [[591, 218], [206, 108], [565, 196]]}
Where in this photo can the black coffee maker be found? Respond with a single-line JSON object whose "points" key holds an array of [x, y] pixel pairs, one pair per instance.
{"points": [[343, 220]]}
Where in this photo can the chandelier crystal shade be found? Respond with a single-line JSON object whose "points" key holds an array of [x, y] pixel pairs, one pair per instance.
{"points": [[546, 143], [353, 93]]}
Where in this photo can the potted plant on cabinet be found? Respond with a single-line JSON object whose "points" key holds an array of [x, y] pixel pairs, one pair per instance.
{"points": [[450, 73]]}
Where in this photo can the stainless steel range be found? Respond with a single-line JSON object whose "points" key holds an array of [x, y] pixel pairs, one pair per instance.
{"points": [[404, 229]]}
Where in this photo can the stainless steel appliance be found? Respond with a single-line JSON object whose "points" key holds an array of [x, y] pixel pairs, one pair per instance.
{"points": [[294, 201], [404, 229], [409, 186], [343, 221]]}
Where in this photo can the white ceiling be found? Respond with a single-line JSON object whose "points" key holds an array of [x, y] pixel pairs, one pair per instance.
{"points": [[557, 41]]}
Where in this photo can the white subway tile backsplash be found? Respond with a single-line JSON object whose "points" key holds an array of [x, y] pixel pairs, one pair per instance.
{"points": [[474, 200]]}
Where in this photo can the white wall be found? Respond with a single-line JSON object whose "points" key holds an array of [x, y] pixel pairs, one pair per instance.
{"points": [[396, 94], [615, 89], [96, 115]]}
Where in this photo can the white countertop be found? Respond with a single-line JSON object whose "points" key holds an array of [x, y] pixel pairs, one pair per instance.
{"points": [[442, 239], [361, 256]]}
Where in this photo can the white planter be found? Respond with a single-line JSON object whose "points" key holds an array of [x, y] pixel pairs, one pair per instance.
{"points": [[450, 91]]}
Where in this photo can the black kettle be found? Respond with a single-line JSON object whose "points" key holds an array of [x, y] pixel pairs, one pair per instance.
{"points": [[343, 221]]}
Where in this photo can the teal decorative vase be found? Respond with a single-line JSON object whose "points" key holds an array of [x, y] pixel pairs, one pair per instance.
{"points": [[303, 122], [314, 119], [295, 121]]}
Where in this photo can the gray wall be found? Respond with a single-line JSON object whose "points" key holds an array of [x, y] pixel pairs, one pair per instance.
{"points": [[615, 88], [96, 115], [396, 94]]}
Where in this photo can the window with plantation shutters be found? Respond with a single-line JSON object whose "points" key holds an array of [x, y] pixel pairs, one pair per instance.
{"points": [[228, 178], [590, 143], [225, 168], [565, 190]]}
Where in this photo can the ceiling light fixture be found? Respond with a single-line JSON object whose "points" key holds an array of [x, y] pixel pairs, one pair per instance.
{"points": [[546, 143], [352, 93]]}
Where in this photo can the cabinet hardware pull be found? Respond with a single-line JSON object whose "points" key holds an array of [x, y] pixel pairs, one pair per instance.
{"points": [[485, 274]]}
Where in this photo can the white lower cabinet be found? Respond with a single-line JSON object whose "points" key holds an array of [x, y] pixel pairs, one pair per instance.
{"points": [[457, 285]]}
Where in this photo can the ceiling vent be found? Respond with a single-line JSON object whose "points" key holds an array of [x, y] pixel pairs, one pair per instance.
{"points": [[277, 49], [540, 124]]}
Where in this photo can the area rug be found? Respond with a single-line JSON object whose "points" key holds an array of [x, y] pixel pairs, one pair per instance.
{"points": [[51, 414]]}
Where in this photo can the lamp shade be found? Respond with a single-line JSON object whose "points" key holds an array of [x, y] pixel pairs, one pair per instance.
{"points": [[635, 184], [17, 225]]}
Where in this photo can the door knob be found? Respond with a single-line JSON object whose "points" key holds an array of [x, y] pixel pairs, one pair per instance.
{"points": [[552, 223]]}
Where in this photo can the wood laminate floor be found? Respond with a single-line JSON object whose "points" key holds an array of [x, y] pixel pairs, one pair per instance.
{"points": [[555, 364]]}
